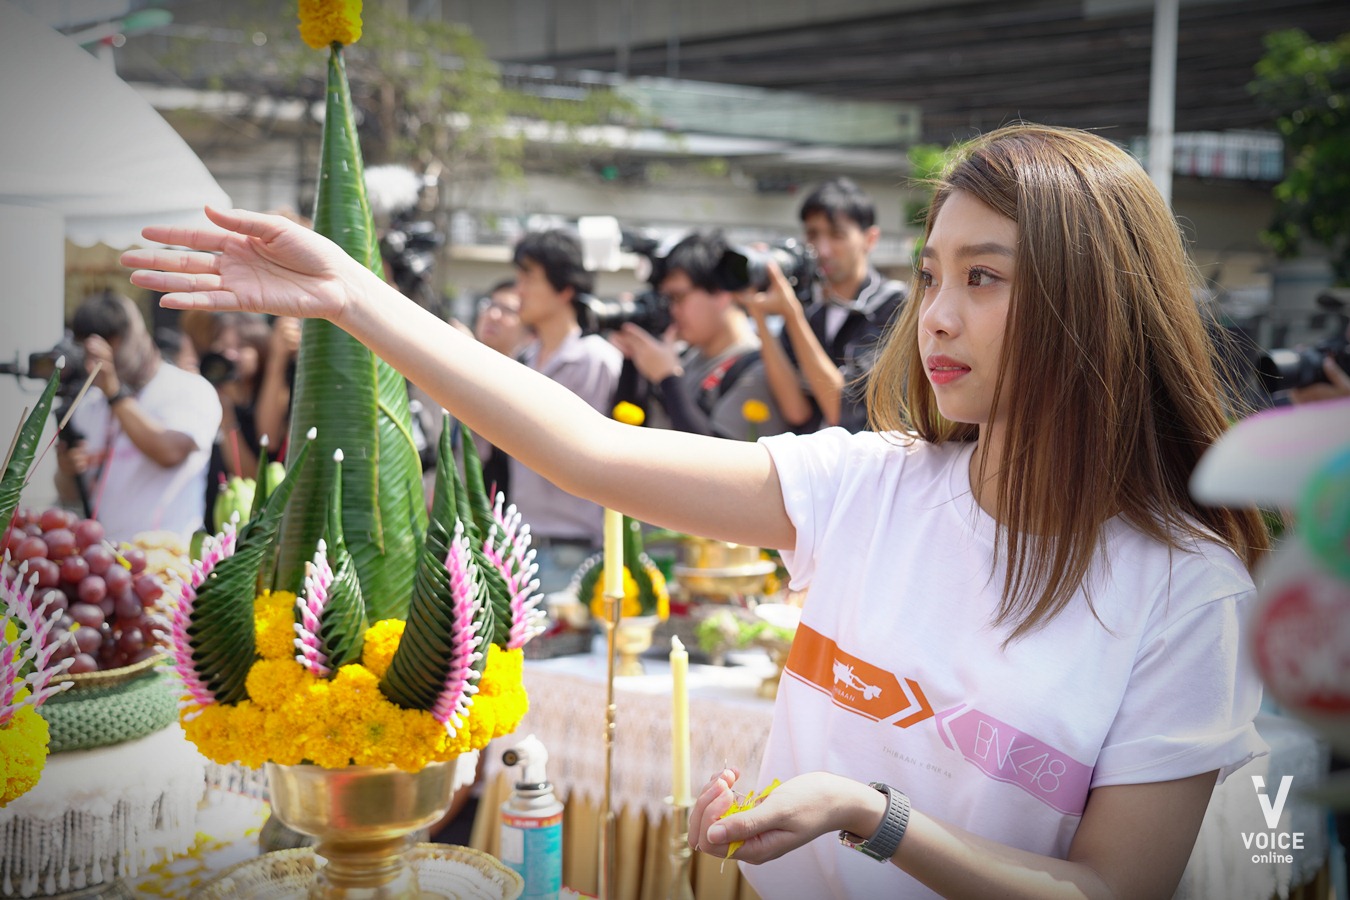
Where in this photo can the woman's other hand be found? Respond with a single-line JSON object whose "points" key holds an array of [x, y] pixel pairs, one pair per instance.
{"points": [[791, 816]]}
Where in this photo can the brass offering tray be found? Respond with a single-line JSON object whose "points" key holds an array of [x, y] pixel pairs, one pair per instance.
{"points": [[444, 872], [719, 569]]}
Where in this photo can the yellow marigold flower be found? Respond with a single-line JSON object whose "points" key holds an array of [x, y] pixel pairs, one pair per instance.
{"points": [[209, 728], [274, 624], [629, 413], [246, 721], [662, 593], [325, 22], [504, 671], [271, 682], [482, 722], [23, 753], [755, 411], [381, 736], [382, 639], [631, 604], [425, 739], [511, 707]]}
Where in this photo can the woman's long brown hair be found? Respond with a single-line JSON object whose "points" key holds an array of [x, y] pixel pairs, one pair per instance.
{"points": [[1109, 383]]}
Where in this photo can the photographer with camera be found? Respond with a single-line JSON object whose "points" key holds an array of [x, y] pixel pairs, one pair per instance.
{"points": [[552, 282], [250, 363], [1306, 374], [143, 435], [1335, 387], [818, 371], [704, 389]]}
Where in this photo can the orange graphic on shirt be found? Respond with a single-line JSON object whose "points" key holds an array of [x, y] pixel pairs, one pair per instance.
{"points": [[853, 683]]}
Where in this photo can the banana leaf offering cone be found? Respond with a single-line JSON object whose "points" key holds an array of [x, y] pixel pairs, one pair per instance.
{"points": [[342, 625]]}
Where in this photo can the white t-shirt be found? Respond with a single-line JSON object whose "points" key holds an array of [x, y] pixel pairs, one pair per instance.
{"points": [[129, 491], [897, 676]]}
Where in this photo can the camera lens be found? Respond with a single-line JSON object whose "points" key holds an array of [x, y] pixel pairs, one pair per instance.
{"points": [[216, 368]]}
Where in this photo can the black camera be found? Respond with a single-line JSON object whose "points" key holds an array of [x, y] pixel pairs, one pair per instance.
{"points": [[217, 369], [1287, 368], [746, 267], [42, 365], [649, 310], [410, 247]]}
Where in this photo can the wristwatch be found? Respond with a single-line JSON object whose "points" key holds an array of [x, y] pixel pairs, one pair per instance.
{"points": [[122, 393], [881, 846]]}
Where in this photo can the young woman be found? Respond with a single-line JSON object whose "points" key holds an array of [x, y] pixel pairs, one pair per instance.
{"points": [[1018, 673]]}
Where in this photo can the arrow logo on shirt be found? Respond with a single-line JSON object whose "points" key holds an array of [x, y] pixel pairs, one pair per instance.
{"points": [[855, 684]]}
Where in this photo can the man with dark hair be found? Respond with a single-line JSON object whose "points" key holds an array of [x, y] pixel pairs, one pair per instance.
{"points": [[551, 279], [705, 389], [144, 432], [818, 371]]}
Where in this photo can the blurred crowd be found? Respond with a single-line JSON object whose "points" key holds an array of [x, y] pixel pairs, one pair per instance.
{"points": [[725, 342]]}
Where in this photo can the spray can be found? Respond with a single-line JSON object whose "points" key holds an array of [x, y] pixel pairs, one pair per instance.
{"points": [[531, 833]]}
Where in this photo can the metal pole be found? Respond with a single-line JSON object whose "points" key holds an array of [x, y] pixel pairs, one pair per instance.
{"points": [[1162, 99], [608, 862]]}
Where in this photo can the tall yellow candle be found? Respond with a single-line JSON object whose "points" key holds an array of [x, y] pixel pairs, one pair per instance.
{"points": [[613, 553], [679, 726]]}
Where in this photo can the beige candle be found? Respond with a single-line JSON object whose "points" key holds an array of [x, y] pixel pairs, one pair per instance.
{"points": [[679, 670], [613, 553]]}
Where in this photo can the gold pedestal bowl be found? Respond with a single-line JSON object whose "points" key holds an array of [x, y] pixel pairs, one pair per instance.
{"points": [[364, 819]]}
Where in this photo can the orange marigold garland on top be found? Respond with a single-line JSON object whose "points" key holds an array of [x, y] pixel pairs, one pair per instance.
{"points": [[327, 22]]}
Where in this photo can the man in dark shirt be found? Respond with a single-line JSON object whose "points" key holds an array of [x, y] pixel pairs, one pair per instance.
{"points": [[818, 371]]}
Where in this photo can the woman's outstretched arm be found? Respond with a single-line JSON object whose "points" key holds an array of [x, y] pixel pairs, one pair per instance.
{"points": [[718, 488]]}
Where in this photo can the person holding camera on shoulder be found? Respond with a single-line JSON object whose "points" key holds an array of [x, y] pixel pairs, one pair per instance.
{"points": [[552, 281], [704, 389], [144, 429], [818, 371]]}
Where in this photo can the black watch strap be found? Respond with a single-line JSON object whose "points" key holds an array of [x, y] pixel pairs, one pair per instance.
{"points": [[123, 392], [882, 845]]}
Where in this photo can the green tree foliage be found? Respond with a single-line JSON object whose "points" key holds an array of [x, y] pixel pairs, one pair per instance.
{"points": [[424, 92], [1306, 87]]}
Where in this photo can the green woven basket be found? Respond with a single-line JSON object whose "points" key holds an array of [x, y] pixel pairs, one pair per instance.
{"points": [[120, 706]]}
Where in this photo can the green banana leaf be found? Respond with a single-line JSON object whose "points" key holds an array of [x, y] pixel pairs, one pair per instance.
{"points": [[494, 595], [357, 402], [25, 448], [221, 628], [342, 624], [416, 675], [633, 561], [261, 491], [480, 504]]}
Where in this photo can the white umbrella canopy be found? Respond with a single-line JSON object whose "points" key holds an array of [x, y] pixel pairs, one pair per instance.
{"points": [[79, 141]]}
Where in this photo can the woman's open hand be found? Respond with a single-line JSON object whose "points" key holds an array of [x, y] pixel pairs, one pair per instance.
{"points": [[257, 263], [794, 814]]}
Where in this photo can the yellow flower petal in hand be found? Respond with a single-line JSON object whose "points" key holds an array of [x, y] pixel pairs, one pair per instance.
{"points": [[629, 413], [325, 22], [750, 801]]}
